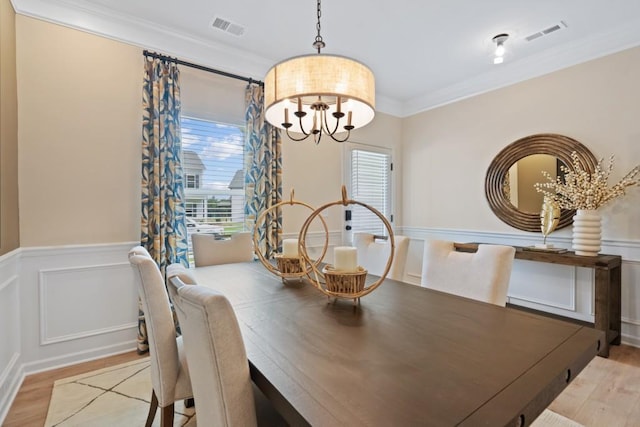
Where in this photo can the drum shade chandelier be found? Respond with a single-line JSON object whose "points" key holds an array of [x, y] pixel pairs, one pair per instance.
{"points": [[319, 94]]}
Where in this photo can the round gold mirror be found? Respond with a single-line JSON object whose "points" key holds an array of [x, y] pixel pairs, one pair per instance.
{"points": [[505, 200]]}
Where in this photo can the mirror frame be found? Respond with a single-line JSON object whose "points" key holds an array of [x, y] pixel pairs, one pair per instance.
{"points": [[559, 146]]}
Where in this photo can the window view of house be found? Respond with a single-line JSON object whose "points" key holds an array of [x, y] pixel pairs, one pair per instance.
{"points": [[212, 163]]}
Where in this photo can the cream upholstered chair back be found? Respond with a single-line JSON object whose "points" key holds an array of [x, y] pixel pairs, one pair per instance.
{"points": [[217, 359], [209, 251], [483, 275], [169, 373], [373, 254]]}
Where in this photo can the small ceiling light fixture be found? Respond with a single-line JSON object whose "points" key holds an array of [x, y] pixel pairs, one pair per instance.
{"points": [[499, 41], [312, 94]]}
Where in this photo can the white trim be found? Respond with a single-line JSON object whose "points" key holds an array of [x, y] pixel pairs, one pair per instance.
{"points": [[12, 254], [7, 282], [6, 371], [630, 340], [99, 248], [10, 385], [628, 249], [86, 334], [69, 359], [42, 287], [102, 21], [630, 321], [517, 239]]}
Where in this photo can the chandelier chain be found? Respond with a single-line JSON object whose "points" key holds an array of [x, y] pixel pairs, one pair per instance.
{"points": [[319, 43], [334, 94]]}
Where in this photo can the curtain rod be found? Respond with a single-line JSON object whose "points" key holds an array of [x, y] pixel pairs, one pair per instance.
{"points": [[202, 67]]}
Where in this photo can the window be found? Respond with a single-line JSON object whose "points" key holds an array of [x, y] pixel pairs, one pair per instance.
{"points": [[370, 182], [213, 166], [193, 181]]}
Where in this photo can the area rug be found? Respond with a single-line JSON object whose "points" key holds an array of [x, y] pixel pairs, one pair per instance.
{"points": [[114, 396], [548, 418], [119, 396]]}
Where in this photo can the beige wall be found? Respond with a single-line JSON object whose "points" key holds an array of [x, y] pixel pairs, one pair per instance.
{"points": [[448, 149], [9, 220], [79, 119], [80, 124], [80, 127], [316, 172]]}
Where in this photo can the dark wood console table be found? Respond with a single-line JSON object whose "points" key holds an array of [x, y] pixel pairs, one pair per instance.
{"points": [[607, 301]]}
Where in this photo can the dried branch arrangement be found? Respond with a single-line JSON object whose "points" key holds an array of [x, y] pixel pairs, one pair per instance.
{"points": [[583, 190]]}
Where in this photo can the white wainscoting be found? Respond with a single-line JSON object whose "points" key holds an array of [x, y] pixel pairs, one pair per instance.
{"points": [[92, 283], [10, 370], [69, 304], [559, 289], [77, 303]]}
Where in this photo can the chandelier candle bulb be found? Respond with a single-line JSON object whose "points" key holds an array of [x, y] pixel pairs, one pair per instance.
{"points": [[290, 248], [345, 258]]}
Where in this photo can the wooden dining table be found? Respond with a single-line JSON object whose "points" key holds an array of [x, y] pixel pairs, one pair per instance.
{"points": [[404, 356]]}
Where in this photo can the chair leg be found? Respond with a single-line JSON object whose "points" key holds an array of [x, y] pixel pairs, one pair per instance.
{"points": [[166, 416], [152, 409]]}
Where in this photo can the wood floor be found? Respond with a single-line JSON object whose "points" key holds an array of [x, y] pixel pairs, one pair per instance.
{"points": [[30, 407], [606, 393]]}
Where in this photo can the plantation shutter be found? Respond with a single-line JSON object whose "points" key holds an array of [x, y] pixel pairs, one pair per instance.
{"points": [[370, 184]]}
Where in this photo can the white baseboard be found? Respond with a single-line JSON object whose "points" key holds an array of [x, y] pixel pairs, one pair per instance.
{"points": [[78, 357], [10, 382]]}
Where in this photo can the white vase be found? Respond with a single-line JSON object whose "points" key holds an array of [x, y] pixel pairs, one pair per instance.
{"points": [[586, 232]]}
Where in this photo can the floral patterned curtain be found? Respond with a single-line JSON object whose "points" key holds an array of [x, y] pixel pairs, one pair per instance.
{"points": [[163, 229], [263, 172]]}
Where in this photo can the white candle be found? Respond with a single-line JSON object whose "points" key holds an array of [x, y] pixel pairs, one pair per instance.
{"points": [[345, 258], [290, 248]]}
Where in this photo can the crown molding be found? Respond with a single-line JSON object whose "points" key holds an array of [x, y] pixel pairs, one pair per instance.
{"points": [[147, 35], [104, 22], [549, 61]]}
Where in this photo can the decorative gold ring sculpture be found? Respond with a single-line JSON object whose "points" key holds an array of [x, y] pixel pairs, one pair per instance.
{"points": [[288, 267], [354, 292]]}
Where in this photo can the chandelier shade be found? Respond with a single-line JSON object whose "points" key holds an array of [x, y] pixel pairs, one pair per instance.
{"points": [[303, 81]]}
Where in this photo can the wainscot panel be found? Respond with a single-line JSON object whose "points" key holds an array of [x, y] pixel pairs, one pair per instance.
{"points": [[564, 290], [11, 373], [77, 303]]}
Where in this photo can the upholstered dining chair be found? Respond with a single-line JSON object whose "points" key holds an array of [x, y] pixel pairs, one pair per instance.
{"points": [[218, 365], [373, 254], [169, 372], [209, 251], [483, 275]]}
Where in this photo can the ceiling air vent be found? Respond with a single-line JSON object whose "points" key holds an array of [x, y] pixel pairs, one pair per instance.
{"points": [[228, 26], [546, 31]]}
